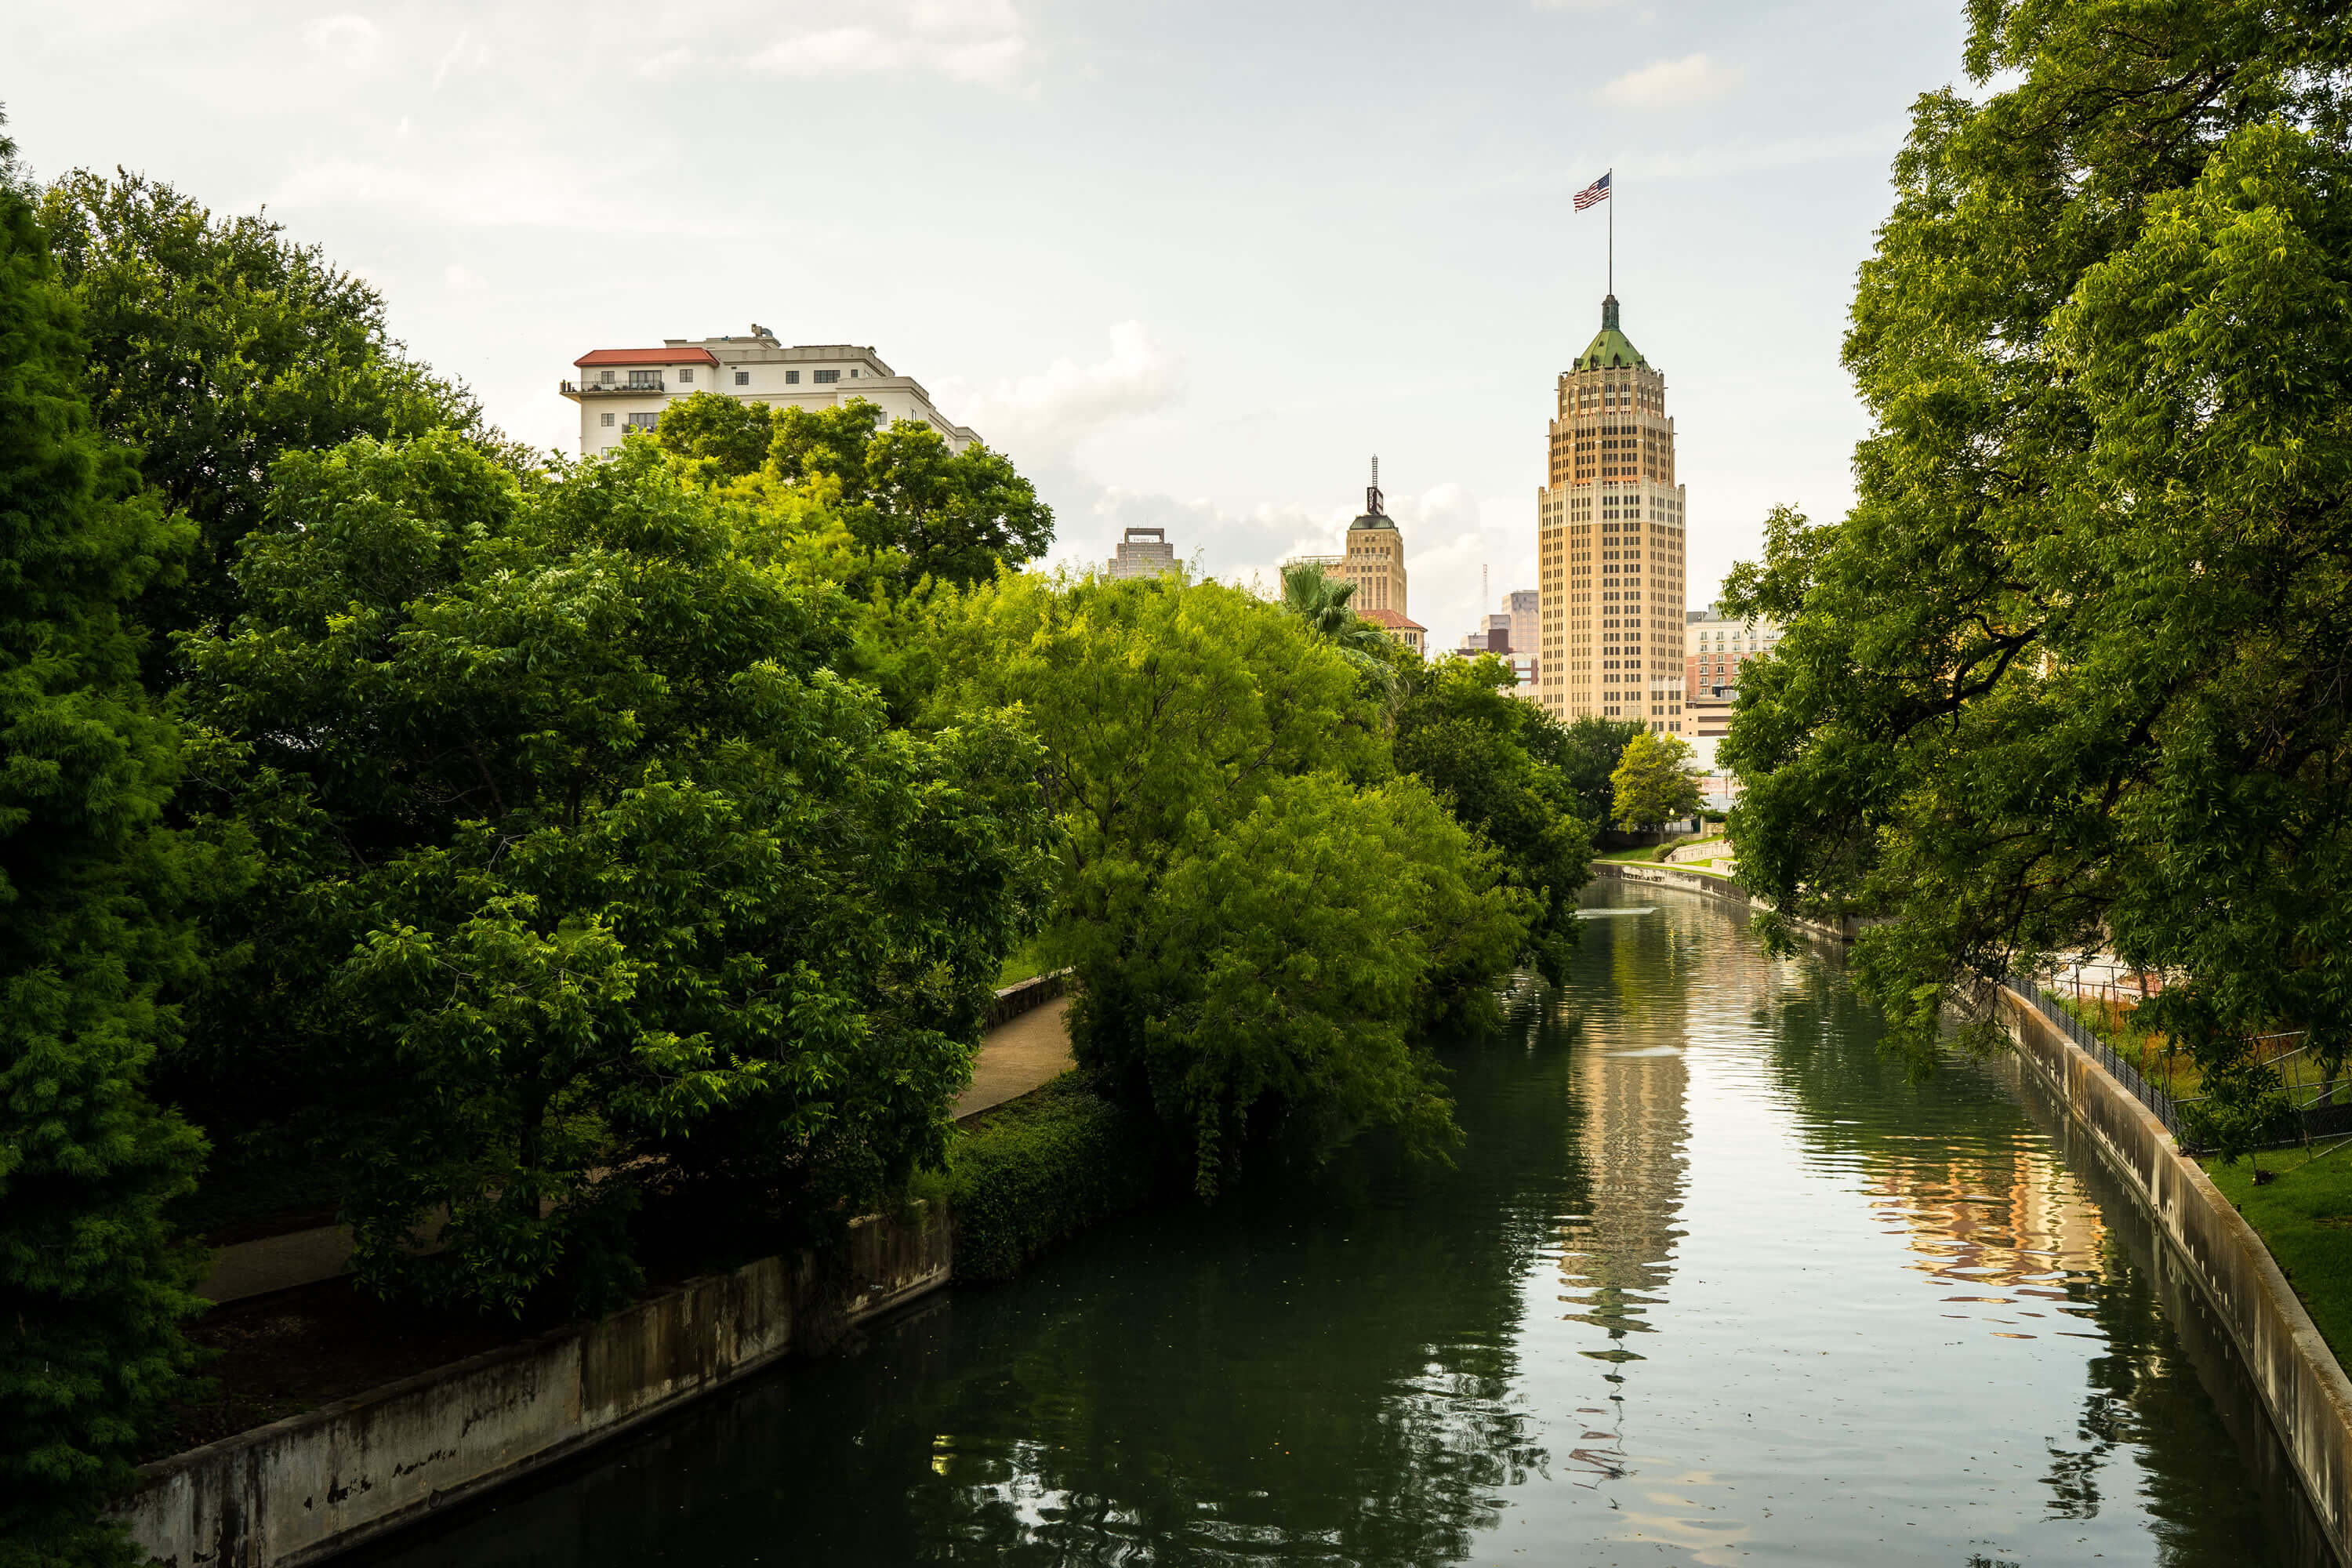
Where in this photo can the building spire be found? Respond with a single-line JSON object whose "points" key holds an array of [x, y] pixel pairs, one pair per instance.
{"points": [[1609, 313], [1372, 492]]}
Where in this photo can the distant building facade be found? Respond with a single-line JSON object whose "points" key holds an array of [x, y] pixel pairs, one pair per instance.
{"points": [[1411, 633], [621, 390], [1717, 647], [1144, 552], [1374, 561], [1610, 531]]}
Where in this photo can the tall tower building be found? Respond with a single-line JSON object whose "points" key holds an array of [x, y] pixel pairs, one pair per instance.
{"points": [[1375, 558], [1608, 542]]}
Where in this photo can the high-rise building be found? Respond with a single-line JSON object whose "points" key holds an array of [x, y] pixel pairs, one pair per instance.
{"points": [[1144, 552], [1375, 557], [1717, 647], [621, 390], [1608, 542]]}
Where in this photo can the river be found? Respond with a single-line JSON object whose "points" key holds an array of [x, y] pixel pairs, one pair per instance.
{"points": [[1711, 1282]]}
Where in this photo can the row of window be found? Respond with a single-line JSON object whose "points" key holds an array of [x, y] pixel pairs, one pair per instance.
{"points": [[651, 379]]}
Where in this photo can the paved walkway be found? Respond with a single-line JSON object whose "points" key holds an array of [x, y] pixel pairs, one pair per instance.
{"points": [[1018, 1055]]}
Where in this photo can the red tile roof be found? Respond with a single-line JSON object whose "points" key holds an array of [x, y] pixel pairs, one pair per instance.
{"points": [[646, 356], [1390, 619]]}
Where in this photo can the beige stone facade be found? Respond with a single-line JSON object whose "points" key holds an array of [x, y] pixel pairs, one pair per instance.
{"points": [[1609, 526]]}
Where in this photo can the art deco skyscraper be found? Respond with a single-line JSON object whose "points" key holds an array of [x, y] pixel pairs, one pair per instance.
{"points": [[1608, 542]]}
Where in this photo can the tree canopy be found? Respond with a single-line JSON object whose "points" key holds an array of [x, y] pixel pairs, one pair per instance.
{"points": [[589, 880], [1653, 784], [214, 344], [1493, 758], [2067, 675], [88, 937], [1262, 913], [952, 515]]}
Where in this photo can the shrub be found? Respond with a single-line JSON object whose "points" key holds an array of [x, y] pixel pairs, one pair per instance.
{"points": [[1045, 1167]]}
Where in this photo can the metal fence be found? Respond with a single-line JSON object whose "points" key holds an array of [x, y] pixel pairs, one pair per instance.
{"points": [[2125, 1071]]}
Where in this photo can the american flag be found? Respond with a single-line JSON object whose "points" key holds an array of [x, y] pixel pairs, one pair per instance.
{"points": [[1593, 193]]}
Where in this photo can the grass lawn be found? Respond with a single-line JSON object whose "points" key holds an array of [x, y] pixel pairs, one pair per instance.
{"points": [[2305, 1218], [1023, 965]]}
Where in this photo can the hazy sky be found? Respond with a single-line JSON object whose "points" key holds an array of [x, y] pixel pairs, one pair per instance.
{"points": [[1189, 264]]}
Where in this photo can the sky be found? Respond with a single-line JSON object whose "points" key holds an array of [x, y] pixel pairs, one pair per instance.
{"points": [[1189, 265]]}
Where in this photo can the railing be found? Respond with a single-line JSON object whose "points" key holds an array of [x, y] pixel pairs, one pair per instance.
{"points": [[2126, 1072], [607, 389]]}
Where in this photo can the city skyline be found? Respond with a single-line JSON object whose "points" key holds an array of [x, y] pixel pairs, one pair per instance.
{"points": [[1178, 265]]}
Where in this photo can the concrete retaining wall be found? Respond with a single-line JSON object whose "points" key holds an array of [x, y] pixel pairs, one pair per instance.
{"points": [[312, 1485], [1027, 994], [1723, 888], [2305, 1390]]}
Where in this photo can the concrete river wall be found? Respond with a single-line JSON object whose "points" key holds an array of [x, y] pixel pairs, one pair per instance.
{"points": [[305, 1487]]}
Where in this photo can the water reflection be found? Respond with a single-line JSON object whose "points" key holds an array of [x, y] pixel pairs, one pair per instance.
{"points": [[1710, 1284]]}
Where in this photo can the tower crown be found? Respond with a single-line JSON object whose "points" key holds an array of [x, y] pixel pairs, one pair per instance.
{"points": [[1610, 348]]}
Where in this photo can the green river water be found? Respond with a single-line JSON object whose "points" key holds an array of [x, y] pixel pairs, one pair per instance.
{"points": [[1711, 1283]]}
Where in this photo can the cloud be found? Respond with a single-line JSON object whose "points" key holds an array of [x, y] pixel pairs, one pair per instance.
{"points": [[1042, 418], [1672, 84], [963, 40], [349, 41]]}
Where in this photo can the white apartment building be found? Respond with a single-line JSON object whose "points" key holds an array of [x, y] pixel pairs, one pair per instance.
{"points": [[621, 390]]}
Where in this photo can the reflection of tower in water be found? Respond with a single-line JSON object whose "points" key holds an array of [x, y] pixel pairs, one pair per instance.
{"points": [[1615, 1258]]}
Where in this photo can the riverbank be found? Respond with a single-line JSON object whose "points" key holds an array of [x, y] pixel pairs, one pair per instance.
{"points": [[2302, 1386], [391, 1420], [1715, 885]]}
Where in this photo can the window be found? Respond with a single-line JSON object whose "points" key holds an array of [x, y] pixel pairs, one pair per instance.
{"points": [[604, 378], [686, 375], [644, 378], [825, 375], [791, 378], [608, 419], [643, 421], [742, 378]]}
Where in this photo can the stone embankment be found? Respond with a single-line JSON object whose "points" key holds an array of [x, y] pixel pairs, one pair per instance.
{"points": [[303, 1489], [1727, 888], [2302, 1387], [306, 1487]]}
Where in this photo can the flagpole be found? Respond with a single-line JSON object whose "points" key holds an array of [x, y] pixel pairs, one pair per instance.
{"points": [[1612, 231]]}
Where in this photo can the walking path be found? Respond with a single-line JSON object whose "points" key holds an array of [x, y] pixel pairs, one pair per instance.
{"points": [[1020, 1054], [1017, 1055]]}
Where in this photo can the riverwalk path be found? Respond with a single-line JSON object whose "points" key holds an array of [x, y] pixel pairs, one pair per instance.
{"points": [[1023, 1053], [1017, 1055]]}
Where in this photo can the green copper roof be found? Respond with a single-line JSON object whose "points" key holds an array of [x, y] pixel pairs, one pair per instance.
{"points": [[1372, 519], [1610, 348]]}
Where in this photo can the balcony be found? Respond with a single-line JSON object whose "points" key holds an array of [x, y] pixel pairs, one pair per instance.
{"points": [[610, 389]]}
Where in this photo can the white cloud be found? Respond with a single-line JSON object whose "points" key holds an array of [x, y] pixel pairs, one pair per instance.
{"points": [[1671, 84], [349, 41], [1042, 418], [963, 40]]}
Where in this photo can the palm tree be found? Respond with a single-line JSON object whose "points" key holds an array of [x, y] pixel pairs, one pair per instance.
{"points": [[1324, 604]]}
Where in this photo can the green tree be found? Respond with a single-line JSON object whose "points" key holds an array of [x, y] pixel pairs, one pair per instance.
{"points": [[897, 487], [1586, 753], [591, 882], [2065, 677], [1484, 751], [216, 343], [1654, 782], [1260, 915], [90, 1290]]}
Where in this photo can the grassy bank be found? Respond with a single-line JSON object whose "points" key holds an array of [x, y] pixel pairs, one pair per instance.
{"points": [[2305, 1218], [1043, 1167]]}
